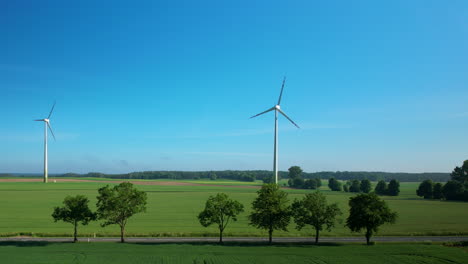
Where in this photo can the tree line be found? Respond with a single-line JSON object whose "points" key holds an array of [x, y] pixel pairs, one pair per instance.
{"points": [[455, 189], [253, 175], [270, 211]]}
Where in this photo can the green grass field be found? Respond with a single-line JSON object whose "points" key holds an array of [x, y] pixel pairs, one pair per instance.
{"points": [[36, 252], [172, 210]]}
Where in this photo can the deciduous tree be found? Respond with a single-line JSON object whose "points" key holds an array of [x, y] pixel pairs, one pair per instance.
{"points": [[381, 188], [117, 204], [393, 188], [334, 184], [368, 212], [220, 209], [365, 186], [313, 210], [270, 210], [75, 210], [426, 189]]}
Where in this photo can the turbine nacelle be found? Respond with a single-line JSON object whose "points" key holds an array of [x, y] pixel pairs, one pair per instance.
{"points": [[277, 107]]}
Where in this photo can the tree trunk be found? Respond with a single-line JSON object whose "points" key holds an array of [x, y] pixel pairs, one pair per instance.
{"points": [[122, 232], [368, 236], [316, 236], [75, 234], [220, 236], [270, 234]]}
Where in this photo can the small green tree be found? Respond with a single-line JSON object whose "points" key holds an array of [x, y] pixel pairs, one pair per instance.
{"points": [[294, 172], [313, 210], [393, 188], [270, 210], [355, 186], [334, 185], [365, 186], [74, 211], [117, 204], [438, 191], [220, 210], [426, 189], [295, 178], [453, 190], [368, 212], [381, 188]]}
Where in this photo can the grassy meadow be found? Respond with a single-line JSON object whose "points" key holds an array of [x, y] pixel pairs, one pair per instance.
{"points": [[26, 208], [88, 253]]}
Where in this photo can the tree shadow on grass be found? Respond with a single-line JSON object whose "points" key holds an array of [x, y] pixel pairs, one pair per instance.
{"points": [[242, 244], [29, 243]]}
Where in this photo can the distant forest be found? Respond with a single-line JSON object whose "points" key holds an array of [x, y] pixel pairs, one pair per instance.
{"points": [[252, 175]]}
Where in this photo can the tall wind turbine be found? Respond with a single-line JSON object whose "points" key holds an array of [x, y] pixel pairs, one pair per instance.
{"points": [[46, 124], [277, 109]]}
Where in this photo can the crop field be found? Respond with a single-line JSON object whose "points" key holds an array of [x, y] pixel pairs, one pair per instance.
{"points": [[36, 252], [26, 209]]}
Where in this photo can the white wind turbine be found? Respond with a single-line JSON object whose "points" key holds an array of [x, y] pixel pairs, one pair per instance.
{"points": [[277, 109], [46, 124]]}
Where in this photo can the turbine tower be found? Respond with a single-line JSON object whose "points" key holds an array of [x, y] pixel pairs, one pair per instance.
{"points": [[277, 109], [46, 124]]}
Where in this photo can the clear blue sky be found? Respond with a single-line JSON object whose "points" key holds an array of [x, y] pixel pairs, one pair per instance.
{"points": [[170, 85]]}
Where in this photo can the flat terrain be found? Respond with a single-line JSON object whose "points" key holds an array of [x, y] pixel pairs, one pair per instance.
{"points": [[88, 253], [174, 205]]}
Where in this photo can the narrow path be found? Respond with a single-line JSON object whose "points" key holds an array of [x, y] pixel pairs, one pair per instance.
{"points": [[241, 239]]}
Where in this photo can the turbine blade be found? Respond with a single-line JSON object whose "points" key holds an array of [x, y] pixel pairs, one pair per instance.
{"points": [[50, 129], [51, 110], [282, 87], [266, 111], [288, 118], [38, 120]]}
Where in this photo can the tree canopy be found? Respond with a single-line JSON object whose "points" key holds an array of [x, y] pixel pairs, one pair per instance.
{"points": [[270, 210], [220, 209], [75, 210], [425, 189], [117, 204], [368, 212], [313, 210], [365, 186], [381, 188], [393, 188], [334, 185]]}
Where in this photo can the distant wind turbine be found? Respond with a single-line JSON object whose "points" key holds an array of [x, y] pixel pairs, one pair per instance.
{"points": [[277, 109], [46, 124]]}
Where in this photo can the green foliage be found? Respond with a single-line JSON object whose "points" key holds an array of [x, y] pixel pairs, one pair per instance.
{"points": [[75, 210], [381, 188], [438, 191], [457, 188], [365, 186], [426, 189], [368, 212], [312, 184], [213, 176], [117, 204], [453, 190], [313, 210], [220, 210], [270, 210], [334, 185], [393, 188], [294, 172], [460, 174], [355, 186]]}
